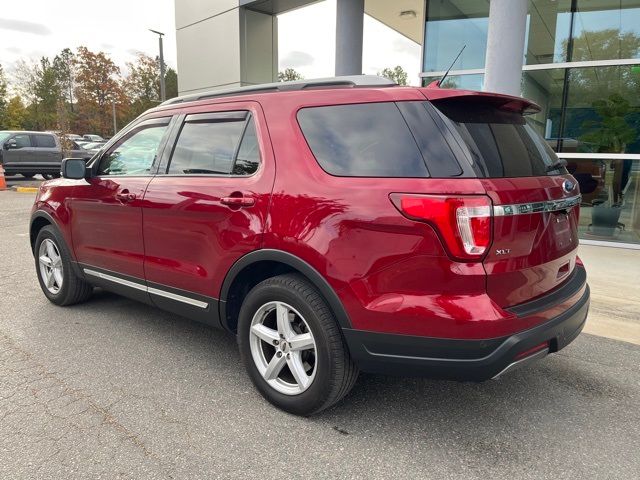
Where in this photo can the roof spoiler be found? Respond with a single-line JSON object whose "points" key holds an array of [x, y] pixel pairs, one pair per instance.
{"points": [[434, 93]]}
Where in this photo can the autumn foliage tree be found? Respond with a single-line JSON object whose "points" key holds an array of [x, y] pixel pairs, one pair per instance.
{"points": [[76, 91], [97, 86]]}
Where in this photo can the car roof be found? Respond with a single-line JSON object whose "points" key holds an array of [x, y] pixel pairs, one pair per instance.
{"points": [[358, 88]]}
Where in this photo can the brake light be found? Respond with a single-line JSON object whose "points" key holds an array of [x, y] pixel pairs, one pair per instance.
{"points": [[463, 222]]}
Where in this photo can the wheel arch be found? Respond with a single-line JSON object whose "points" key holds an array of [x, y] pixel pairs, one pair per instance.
{"points": [[39, 220], [264, 264]]}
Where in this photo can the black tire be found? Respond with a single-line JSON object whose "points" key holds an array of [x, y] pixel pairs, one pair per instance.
{"points": [[49, 176], [74, 289], [28, 175], [335, 372]]}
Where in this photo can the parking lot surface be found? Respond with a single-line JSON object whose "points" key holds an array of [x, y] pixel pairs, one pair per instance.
{"points": [[115, 389]]}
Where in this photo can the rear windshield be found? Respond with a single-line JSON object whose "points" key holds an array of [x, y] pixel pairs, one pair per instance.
{"points": [[498, 143]]}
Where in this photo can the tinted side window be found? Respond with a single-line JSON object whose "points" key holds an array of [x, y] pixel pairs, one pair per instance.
{"points": [[22, 140], [363, 140], [206, 147], [135, 154], [248, 157], [45, 141]]}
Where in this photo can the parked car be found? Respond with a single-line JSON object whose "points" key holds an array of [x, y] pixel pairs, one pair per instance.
{"points": [[333, 226], [93, 138], [30, 153]]}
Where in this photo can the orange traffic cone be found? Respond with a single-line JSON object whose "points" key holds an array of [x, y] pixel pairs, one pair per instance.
{"points": [[3, 182]]}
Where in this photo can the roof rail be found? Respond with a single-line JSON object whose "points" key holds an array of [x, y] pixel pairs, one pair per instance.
{"points": [[336, 82]]}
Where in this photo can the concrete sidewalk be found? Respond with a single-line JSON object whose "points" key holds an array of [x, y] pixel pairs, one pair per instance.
{"points": [[614, 278]]}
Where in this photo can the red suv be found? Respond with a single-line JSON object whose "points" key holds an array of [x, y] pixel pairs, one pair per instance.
{"points": [[334, 226]]}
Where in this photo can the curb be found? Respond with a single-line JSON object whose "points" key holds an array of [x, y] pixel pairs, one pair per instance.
{"points": [[26, 189]]}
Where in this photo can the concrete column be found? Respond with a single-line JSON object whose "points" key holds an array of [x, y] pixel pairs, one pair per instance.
{"points": [[349, 21], [505, 46]]}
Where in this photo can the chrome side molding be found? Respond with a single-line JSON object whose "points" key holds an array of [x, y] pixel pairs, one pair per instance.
{"points": [[145, 288], [536, 207]]}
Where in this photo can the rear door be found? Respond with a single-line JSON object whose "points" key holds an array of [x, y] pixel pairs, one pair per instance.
{"points": [[208, 205], [45, 152], [535, 200]]}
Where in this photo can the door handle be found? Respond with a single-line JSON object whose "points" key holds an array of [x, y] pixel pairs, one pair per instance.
{"points": [[238, 202], [126, 196]]}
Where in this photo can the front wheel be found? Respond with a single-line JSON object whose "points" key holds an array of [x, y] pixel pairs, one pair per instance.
{"points": [[58, 281], [49, 176], [292, 346]]}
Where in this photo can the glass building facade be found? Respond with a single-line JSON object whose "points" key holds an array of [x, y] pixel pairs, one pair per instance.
{"points": [[581, 64]]}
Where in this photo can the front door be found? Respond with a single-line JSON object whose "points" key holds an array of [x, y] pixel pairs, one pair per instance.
{"points": [[106, 211], [207, 207]]}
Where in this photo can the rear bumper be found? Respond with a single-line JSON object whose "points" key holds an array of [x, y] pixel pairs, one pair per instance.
{"points": [[475, 360]]}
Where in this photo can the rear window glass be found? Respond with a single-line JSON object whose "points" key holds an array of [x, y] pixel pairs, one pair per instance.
{"points": [[45, 141], [498, 143], [362, 140]]}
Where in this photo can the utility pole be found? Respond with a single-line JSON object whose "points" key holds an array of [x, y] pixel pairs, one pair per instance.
{"points": [[113, 112], [163, 95]]}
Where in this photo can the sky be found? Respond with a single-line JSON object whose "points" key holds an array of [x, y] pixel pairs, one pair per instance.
{"points": [[35, 28]]}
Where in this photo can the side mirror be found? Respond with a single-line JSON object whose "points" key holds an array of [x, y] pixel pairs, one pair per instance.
{"points": [[73, 168], [11, 144]]}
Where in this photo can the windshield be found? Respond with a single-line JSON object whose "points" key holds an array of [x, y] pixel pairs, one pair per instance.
{"points": [[499, 143], [4, 136]]}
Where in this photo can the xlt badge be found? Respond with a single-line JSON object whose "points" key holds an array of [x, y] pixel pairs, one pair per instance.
{"points": [[503, 251]]}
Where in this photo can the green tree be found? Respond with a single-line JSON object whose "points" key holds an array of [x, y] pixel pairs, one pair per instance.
{"points": [[396, 74], [288, 75], [47, 93], [142, 85], [63, 65], [3, 99], [15, 115], [171, 83]]}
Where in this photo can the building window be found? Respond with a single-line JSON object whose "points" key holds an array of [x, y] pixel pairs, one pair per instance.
{"points": [[451, 24]]}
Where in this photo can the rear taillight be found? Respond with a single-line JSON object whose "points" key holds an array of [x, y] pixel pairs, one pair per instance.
{"points": [[463, 222]]}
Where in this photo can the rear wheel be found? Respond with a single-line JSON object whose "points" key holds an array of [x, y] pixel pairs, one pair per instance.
{"points": [[28, 175], [292, 346], [58, 281]]}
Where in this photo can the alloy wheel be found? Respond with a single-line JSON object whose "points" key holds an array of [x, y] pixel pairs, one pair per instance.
{"points": [[283, 348], [51, 270]]}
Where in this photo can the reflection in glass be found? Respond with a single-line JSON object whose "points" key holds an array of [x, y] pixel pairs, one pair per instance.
{"points": [[606, 29], [465, 82], [603, 109], [450, 25], [610, 199], [548, 27]]}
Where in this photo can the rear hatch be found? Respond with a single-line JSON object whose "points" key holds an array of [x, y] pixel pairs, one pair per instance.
{"points": [[535, 201]]}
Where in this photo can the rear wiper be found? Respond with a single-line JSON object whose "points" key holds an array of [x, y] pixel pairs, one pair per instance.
{"points": [[556, 166]]}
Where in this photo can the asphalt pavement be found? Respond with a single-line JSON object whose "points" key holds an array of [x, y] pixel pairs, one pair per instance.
{"points": [[116, 389]]}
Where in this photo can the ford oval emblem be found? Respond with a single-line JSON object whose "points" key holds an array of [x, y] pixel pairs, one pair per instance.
{"points": [[568, 186]]}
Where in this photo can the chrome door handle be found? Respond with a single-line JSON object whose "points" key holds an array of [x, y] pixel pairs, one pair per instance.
{"points": [[238, 201], [125, 196]]}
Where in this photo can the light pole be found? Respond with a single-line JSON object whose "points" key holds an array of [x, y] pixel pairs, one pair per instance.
{"points": [[113, 113], [162, 91]]}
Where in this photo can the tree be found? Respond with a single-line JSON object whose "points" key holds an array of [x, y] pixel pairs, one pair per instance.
{"points": [[63, 65], [97, 86], [3, 99], [396, 74], [288, 75], [171, 83], [16, 115], [142, 84]]}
